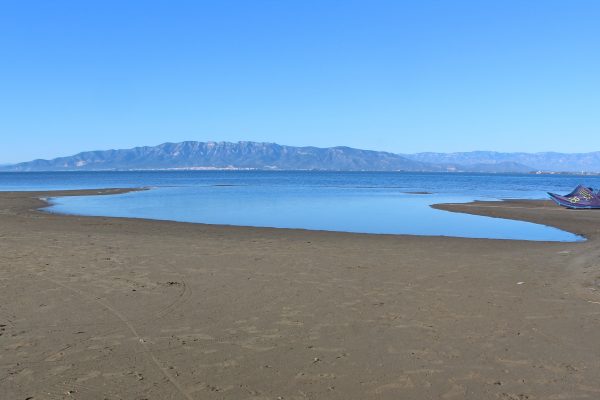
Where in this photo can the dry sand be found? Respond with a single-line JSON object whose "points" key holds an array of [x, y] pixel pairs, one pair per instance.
{"points": [[107, 308]]}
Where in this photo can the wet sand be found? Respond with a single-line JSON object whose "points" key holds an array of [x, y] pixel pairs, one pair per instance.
{"points": [[109, 308]]}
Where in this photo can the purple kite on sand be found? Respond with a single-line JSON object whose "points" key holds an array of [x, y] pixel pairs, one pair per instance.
{"points": [[580, 197]]}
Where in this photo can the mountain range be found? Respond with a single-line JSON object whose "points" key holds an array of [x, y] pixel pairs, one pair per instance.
{"points": [[271, 156], [547, 161]]}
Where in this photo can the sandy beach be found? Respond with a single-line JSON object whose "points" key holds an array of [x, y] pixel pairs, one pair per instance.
{"points": [[109, 308]]}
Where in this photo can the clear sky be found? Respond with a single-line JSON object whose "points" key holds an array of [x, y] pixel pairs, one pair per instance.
{"points": [[402, 76]]}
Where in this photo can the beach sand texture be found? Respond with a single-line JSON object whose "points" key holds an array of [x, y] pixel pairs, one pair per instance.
{"points": [[108, 308]]}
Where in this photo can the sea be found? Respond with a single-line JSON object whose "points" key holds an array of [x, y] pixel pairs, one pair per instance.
{"points": [[363, 202]]}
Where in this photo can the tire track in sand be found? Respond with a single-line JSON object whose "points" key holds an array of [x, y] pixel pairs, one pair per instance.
{"points": [[131, 328]]}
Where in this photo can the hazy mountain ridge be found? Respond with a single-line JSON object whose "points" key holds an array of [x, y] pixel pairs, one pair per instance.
{"points": [[272, 156], [250, 155], [545, 161]]}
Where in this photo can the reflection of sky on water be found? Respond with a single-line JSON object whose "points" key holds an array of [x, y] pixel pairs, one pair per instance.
{"points": [[379, 209]]}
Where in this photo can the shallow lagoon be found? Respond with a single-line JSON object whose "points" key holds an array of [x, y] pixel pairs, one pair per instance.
{"points": [[350, 209], [370, 202]]}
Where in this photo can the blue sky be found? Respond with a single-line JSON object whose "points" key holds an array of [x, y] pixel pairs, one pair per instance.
{"points": [[402, 76]]}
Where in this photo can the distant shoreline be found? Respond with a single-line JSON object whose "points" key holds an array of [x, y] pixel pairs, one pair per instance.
{"points": [[201, 169]]}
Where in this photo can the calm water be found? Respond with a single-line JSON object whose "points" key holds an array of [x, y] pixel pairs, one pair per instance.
{"points": [[351, 202]]}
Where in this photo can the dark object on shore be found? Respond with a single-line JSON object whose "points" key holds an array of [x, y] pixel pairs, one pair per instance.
{"points": [[580, 197]]}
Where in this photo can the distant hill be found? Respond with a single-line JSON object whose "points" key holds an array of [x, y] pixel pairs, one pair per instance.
{"points": [[271, 156], [549, 161], [504, 166]]}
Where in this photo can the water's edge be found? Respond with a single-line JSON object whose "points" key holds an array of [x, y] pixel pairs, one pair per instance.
{"points": [[50, 202]]}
